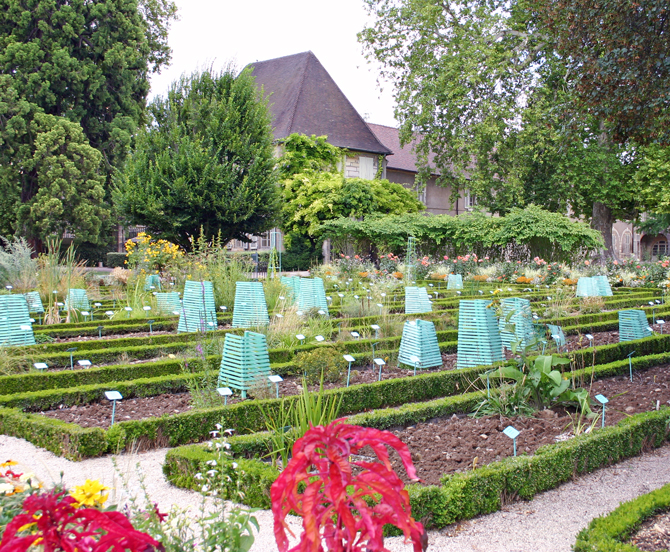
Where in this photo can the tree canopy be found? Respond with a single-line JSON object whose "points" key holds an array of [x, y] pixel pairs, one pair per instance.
{"points": [[205, 161], [619, 51], [74, 78], [314, 191], [477, 80]]}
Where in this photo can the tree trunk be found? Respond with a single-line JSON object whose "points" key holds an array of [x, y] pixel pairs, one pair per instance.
{"points": [[602, 220]]}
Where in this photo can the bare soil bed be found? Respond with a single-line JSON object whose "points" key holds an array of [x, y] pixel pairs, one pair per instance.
{"points": [[456, 444], [443, 445]]}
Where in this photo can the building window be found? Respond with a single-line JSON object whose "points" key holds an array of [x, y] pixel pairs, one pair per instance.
{"points": [[421, 194], [366, 168], [615, 241], [265, 240], [625, 246], [469, 200], [660, 248]]}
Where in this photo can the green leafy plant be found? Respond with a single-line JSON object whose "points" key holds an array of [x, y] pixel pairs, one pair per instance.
{"points": [[322, 364], [346, 507], [507, 400], [214, 526], [543, 385]]}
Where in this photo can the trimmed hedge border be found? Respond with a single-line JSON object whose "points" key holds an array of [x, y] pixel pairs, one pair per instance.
{"points": [[607, 533], [194, 425], [483, 491]]}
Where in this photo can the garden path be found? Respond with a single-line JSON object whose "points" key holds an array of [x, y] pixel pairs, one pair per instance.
{"points": [[549, 523]]}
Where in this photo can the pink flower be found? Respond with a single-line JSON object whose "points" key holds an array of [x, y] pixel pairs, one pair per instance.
{"points": [[446, 257], [347, 257], [616, 262], [486, 258], [587, 263]]}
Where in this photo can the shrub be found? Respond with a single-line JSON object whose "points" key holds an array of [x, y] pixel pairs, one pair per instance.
{"points": [[115, 259], [324, 361]]}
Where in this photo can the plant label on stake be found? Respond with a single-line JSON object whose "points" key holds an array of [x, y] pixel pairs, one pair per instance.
{"points": [[602, 400], [349, 359], [301, 338], [660, 323], [416, 361], [379, 362], [512, 433], [113, 396], [40, 366], [225, 392], [630, 365], [276, 379], [71, 350], [375, 327]]}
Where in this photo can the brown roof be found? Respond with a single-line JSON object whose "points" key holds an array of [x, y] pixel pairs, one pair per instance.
{"points": [[403, 158], [304, 98]]}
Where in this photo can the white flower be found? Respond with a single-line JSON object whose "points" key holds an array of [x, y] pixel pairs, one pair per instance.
{"points": [[26, 476], [204, 488], [234, 464], [218, 446], [214, 433], [218, 426], [211, 462], [6, 488], [228, 431], [198, 476], [211, 473], [226, 446], [210, 444]]}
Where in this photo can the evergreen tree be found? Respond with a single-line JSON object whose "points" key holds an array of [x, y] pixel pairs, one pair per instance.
{"points": [[204, 161]]}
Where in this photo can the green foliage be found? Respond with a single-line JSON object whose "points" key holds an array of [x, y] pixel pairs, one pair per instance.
{"points": [[115, 259], [51, 178], [608, 533], [315, 191], [541, 385], [311, 198], [508, 400], [293, 418], [304, 153], [500, 112], [74, 79], [322, 363], [522, 234], [618, 50], [204, 164]]}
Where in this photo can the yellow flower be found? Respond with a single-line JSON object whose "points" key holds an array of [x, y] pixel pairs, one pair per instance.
{"points": [[90, 493], [8, 464]]}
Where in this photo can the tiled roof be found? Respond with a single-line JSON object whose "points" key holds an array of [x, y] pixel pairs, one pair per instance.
{"points": [[304, 98], [403, 158]]}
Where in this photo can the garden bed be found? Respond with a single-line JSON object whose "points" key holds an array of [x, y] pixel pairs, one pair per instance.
{"points": [[447, 445]]}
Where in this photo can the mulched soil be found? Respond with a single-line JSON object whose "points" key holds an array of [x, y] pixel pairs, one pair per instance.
{"points": [[447, 445], [654, 534], [443, 445]]}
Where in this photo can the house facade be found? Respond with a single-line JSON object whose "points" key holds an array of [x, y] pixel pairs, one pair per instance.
{"points": [[303, 98]]}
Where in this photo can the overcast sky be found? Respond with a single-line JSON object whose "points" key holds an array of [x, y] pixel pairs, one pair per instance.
{"points": [[215, 32]]}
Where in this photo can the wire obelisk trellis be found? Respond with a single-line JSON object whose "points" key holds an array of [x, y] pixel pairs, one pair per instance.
{"points": [[410, 259], [274, 261]]}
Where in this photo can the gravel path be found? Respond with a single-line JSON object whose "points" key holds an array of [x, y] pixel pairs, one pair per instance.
{"points": [[549, 523]]}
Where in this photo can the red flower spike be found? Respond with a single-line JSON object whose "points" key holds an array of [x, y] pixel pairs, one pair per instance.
{"points": [[333, 493], [60, 525]]}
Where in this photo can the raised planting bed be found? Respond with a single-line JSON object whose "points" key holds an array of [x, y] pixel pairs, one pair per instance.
{"points": [[464, 494], [194, 425]]}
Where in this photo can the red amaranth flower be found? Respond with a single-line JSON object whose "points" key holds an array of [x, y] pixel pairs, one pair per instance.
{"points": [[347, 509], [53, 521]]}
